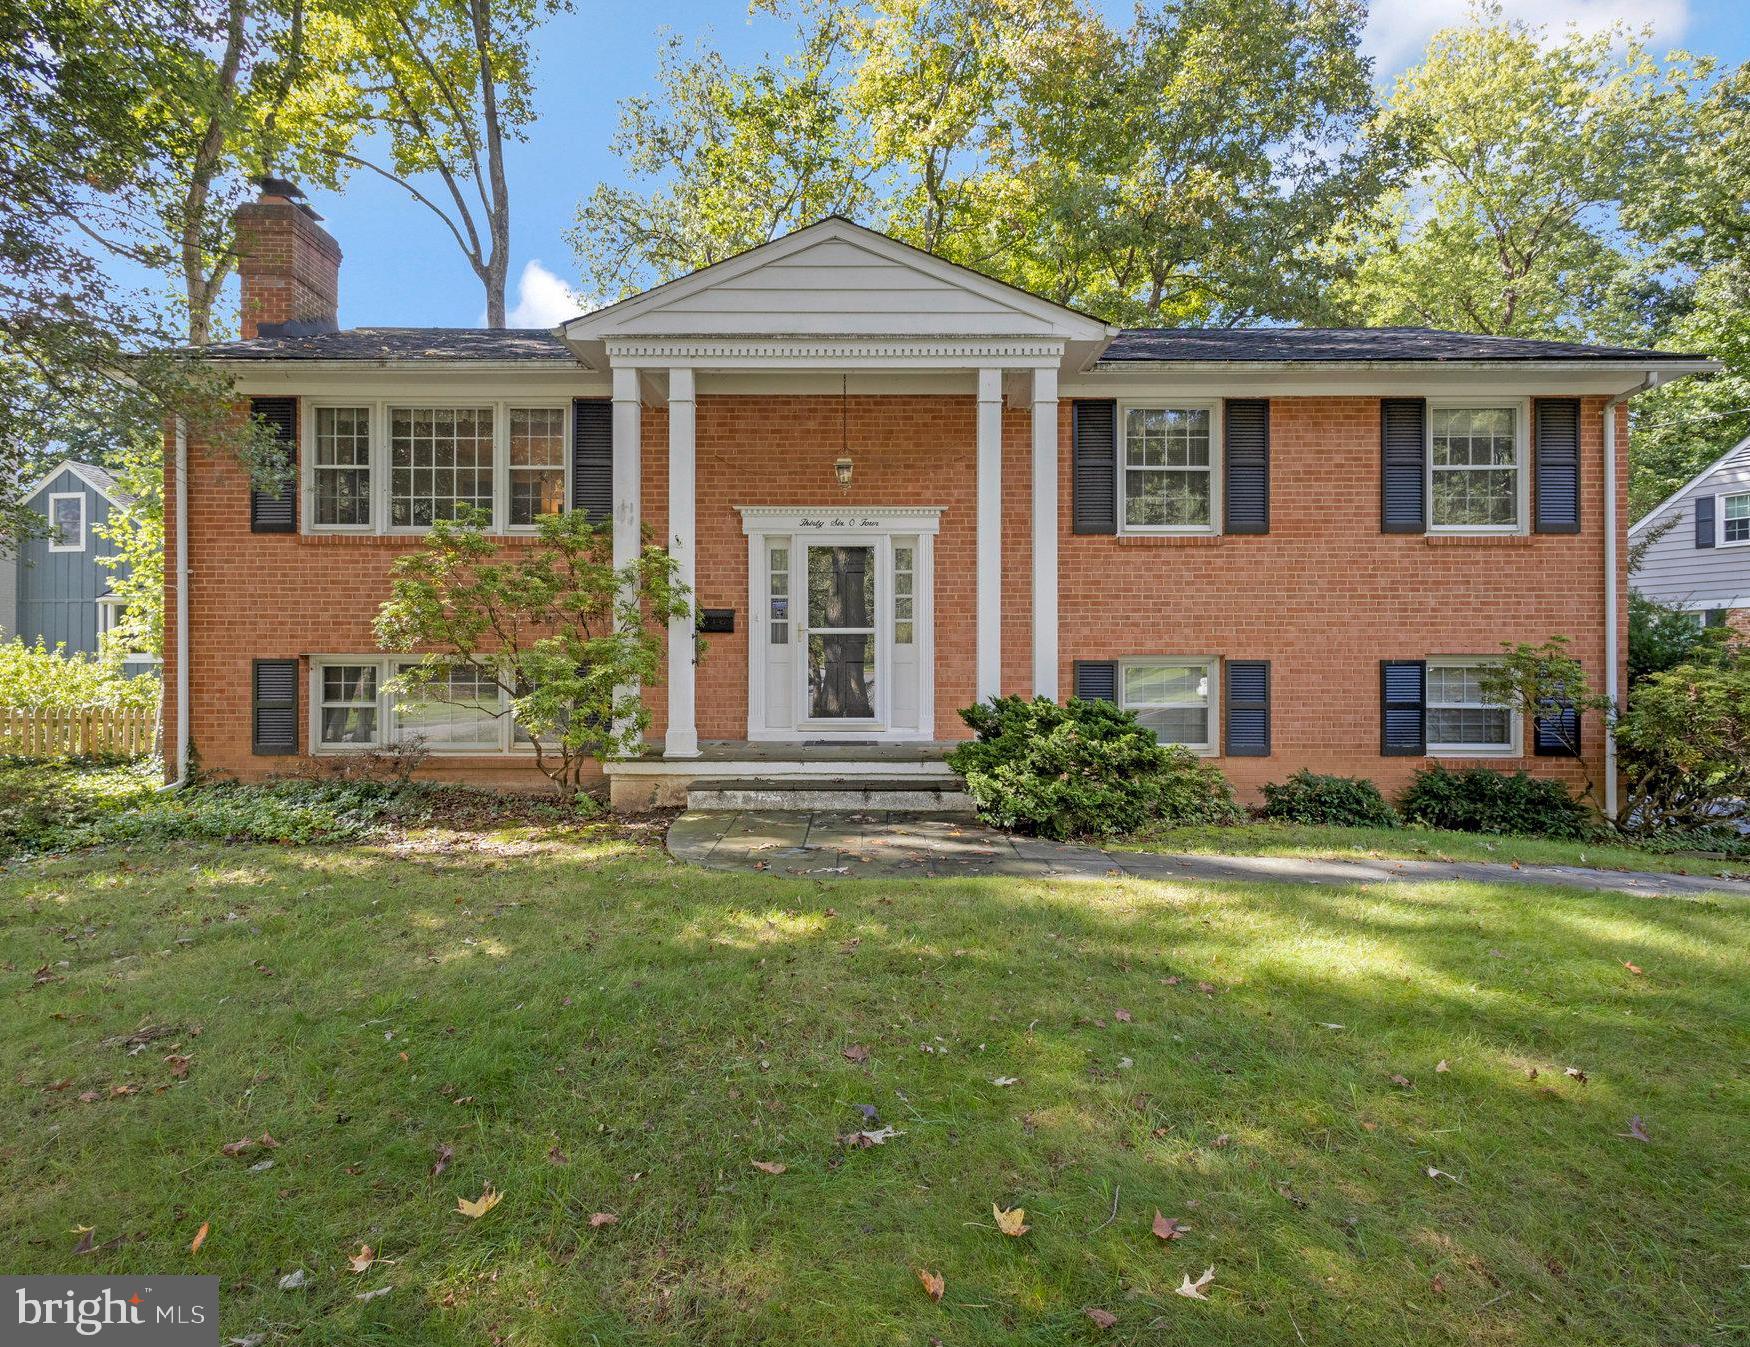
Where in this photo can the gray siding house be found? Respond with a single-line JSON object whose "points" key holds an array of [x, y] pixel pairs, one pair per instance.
{"points": [[59, 592], [1700, 558]]}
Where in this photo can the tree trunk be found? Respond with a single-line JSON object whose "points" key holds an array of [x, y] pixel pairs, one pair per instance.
{"points": [[199, 285], [498, 194]]}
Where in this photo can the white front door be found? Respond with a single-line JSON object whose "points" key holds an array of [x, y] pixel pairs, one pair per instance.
{"points": [[840, 634]]}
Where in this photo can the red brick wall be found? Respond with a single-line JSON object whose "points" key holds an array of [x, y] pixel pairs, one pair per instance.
{"points": [[1324, 596]]}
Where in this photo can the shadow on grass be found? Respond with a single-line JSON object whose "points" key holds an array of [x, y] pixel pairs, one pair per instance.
{"points": [[660, 1028]]}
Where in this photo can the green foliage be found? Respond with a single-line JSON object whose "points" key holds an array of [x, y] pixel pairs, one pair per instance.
{"points": [[564, 633], [36, 678], [1478, 800], [1546, 677], [1661, 636], [136, 565], [1684, 748], [1179, 170], [1331, 801], [1081, 769]]}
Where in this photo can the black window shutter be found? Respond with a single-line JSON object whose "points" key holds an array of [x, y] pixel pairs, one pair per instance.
{"points": [[277, 512], [275, 706], [1557, 447], [1704, 521], [1403, 453], [1094, 474], [1556, 732], [1248, 708], [1403, 712], [1246, 461], [1096, 680], [592, 458]]}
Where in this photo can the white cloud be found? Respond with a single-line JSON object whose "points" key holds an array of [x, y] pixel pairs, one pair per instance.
{"points": [[1397, 30], [542, 299]]}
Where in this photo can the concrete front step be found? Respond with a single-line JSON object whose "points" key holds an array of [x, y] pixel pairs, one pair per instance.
{"points": [[910, 795]]}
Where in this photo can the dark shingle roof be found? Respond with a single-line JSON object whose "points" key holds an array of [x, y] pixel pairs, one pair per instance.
{"points": [[403, 343], [539, 345], [1352, 343]]}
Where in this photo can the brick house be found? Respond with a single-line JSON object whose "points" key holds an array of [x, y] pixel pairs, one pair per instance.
{"points": [[897, 487]]}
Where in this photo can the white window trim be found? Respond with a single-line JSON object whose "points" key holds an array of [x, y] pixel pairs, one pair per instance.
{"points": [[388, 720], [1515, 746], [378, 409], [1720, 519], [1216, 438], [1212, 667], [54, 523], [1521, 462]]}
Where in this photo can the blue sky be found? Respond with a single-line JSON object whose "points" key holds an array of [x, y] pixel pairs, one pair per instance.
{"points": [[402, 268]]}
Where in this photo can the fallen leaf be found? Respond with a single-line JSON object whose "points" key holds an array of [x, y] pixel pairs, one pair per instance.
{"points": [[769, 1166], [856, 1053], [200, 1237], [445, 1154], [1121, 1015], [1005, 1081], [597, 1219], [178, 1064], [372, 1295], [266, 1142], [1010, 1222], [862, 1141], [237, 1147], [90, 1097], [1438, 1285], [1434, 1173], [1402, 1082], [84, 1232], [555, 1156], [1637, 1130], [1370, 1126], [1221, 1141], [292, 1281], [1193, 1290], [1441, 1066], [478, 1208], [1631, 967], [1576, 1073], [934, 1283], [1168, 1227], [261, 1166], [1103, 1318], [362, 1260]]}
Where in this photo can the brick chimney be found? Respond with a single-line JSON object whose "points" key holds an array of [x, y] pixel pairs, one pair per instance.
{"points": [[289, 265]]}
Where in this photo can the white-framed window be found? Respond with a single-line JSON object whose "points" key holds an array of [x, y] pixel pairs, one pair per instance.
{"points": [[1477, 482], [904, 593], [66, 521], [1168, 478], [1734, 517], [778, 580], [342, 467], [399, 465], [1461, 721], [1174, 696], [353, 709]]}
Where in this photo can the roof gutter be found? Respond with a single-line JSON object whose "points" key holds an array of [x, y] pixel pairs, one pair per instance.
{"points": [[1612, 641]]}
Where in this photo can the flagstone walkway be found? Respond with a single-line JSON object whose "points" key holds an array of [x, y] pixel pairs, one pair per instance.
{"points": [[894, 846]]}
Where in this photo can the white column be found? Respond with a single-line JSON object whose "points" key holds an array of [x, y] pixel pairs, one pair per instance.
{"points": [[683, 734], [1045, 533], [627, 476], [988, 682]]}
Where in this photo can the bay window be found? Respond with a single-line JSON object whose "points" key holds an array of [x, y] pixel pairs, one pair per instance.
{"points": [[1167, 480]]}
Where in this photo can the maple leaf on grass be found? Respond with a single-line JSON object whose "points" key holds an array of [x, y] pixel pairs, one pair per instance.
{"points": [[856, 1053], [934, 1283], [769, 1166], [1011, 1222], [1168, 1227], [1193, 1290], [1122, 1015], [1102, 1318], [474, 1210], [362, 1260]]}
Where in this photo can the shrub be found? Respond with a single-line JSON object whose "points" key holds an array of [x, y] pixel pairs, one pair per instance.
{"points": [[36, 678], [1328, 801], [1685, 748], [1478, 800], [1082, 769]]}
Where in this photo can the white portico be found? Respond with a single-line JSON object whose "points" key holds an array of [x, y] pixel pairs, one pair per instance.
{"points": [[840, 618]]}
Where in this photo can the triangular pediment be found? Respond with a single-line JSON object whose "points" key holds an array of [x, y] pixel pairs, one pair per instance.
{"points": [[835, 279]]}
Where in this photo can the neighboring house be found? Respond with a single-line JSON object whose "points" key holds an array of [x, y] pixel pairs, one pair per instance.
{"points": [[60, 591], [900, 487], [1699, 556]]}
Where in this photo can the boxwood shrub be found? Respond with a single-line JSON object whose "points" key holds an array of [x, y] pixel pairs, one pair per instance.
{"points": [[1082, 769], [1478, 800], [1328, 801]]}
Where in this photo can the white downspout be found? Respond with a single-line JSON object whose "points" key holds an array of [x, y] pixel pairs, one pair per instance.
{"points": [[180, 479], [1612, 685]]}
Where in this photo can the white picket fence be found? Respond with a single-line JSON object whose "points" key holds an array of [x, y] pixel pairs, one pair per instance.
{"points": [[121, 731]]}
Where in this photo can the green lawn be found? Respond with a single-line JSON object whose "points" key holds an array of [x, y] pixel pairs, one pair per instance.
{"points": [[1288, 839], [591, 1028]]}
